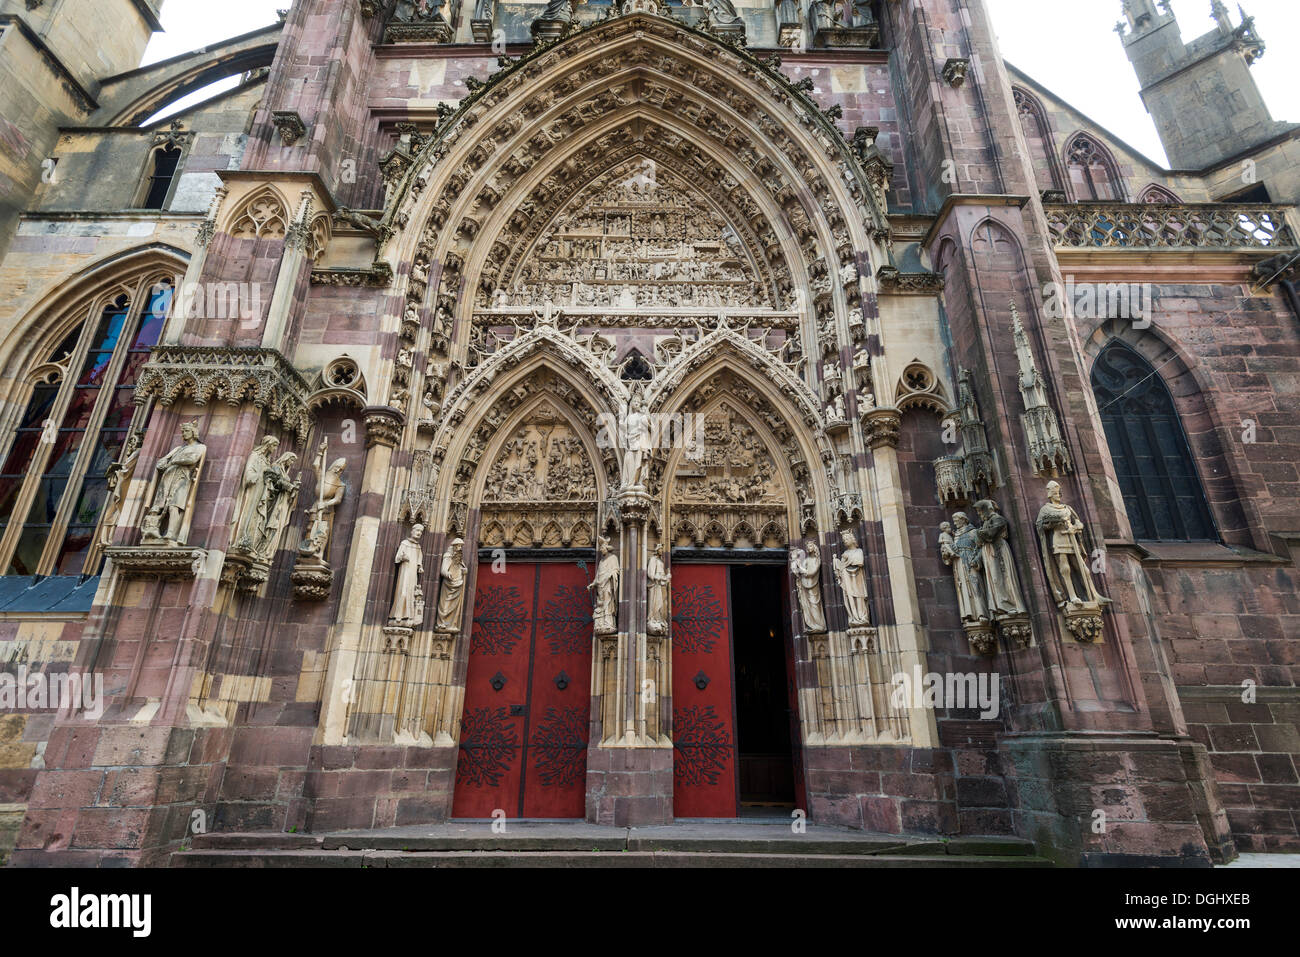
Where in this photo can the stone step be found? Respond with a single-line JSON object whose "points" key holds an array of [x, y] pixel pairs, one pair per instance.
{"points": [[584, 859], [528, 844]]}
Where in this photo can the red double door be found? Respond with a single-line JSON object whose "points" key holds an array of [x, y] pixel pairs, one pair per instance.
{"points": [[524, 730]]}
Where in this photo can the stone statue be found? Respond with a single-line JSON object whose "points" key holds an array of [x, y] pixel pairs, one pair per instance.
{"points": [[484, 9], [1060, 536], [863, 16], [657, 583], [806, 567], [1001, 585], [249, 518], [821, 15], [604, 610], [167, 522], [562, 11], [117, 479], [329, 495], [408, 598], [279, 496], [851, 573], [638, 442], [451, 588], [722, 12], [787, 11], [960, 550]]}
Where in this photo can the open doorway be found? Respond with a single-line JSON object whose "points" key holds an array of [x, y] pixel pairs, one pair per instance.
{"points": [[764, 732]]}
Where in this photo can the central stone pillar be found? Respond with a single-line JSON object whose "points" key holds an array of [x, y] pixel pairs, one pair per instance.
{"points": [[630, 769]]}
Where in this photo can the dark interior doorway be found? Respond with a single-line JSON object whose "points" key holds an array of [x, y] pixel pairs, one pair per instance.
{"points": [[763, 704]]}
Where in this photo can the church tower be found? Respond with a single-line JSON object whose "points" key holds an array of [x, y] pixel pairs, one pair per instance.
{"points": [[1201, 95], [53, 59]]}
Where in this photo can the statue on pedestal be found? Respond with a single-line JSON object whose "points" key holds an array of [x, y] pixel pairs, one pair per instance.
{"points": [[451, 588], [167, 522], [806, 569], [408, 598], [604, 612], [851, 573], [658, 582], [1060, 535]]}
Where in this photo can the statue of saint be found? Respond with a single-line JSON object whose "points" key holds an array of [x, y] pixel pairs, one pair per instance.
{"points": [[658, 582], [408, 599], [329, 495], [1060, 535], [1001, 585], [280, 495], [560, 10], [960, 550], [451, 588], [638, 441], [118, 479], [851, 573], [787, 11], [821, 15], [604, 611], [806, 568], [249, 517], [167, 522], [722, 12]]}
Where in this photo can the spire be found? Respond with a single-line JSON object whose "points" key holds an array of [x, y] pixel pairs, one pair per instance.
{"points": [[1221, 17]]}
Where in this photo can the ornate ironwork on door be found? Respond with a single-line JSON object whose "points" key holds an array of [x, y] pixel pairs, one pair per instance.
{"points": [[523, 747], [704, 722]]}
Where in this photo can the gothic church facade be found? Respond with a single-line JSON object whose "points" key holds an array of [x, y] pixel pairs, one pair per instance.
{"points": [[615, 411]]}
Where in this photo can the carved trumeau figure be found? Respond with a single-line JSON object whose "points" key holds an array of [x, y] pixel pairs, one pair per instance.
{"points": [[451, 588], [604, 610], [329, 495], [167, 522], [1060, 535], [1001, 584], [638, 442], [806, 567], [279, 496], [959, 548], [249, 517], [851, 573], [408, 598], [657, 584]]}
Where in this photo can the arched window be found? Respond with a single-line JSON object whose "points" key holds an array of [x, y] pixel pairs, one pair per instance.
{"points": [[162, 165], [1038, 137], [1153, 462], [1093, 174], [77, 411]]}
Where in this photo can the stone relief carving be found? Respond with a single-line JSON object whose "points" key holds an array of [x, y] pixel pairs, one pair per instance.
{"points": [[635, 237], [730, 492], [541, 490], [167, 521], [806, 569], [604, 590]]}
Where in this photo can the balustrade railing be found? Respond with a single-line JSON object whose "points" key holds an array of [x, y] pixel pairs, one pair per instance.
{"points": [[1169, 226]]}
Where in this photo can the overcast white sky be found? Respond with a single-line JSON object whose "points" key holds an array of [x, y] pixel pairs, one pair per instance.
{"points": [[1069, 46]]}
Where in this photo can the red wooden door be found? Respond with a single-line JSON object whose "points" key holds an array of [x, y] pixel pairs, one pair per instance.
{"points": [[704, 714], [523, 746]]}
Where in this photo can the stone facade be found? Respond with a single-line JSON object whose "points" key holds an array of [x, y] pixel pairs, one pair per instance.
{"points": [[628, 334]]}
